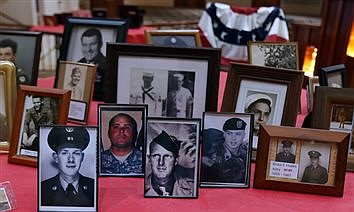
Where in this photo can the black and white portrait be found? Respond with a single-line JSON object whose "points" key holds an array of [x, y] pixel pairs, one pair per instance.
{"points": [[122, 136], [74, 80], [38, 110], [172, 158], [342, 118], [4, 201], [286, 151], [334, 79], [227, 139], [67, 168]]}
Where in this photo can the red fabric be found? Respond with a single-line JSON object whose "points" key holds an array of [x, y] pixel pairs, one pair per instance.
{"points": [[244, 10]]}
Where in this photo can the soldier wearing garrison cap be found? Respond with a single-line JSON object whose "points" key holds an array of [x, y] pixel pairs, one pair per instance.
{"points": [[315, 173], [68, 187], [285, 155], [163, 158], [231, 154]]}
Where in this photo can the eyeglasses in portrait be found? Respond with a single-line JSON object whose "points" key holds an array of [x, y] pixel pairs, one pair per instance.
{"points": [[67, 177]]}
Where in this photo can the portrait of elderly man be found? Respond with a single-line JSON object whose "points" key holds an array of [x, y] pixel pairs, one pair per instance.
{"points": [[285, 155], [69, 187], [167, 178], [261, 106], [228, 161], [315, 173], [74, 84], [122, 157]]}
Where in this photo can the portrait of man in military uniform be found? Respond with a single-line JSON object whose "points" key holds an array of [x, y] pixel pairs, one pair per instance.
{"points": [[285, 155], [72, 185], [315, 173]]}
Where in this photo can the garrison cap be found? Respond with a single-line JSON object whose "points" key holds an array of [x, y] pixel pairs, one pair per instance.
{"points": [[234, 124], [168, 142], [287, 143], [74, 137], [314, 154]]}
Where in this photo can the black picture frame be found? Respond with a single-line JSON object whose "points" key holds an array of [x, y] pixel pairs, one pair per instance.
{"points": [[51, 194], [158, 59], [172, 136], [111, 30], [216, 127], [108, 112], [27, 54], [333, 76]]}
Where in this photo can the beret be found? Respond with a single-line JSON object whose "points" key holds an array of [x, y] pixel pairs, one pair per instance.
{"points": [[256, 97], [287, 143], [234, 124], [74, 137], [314, 154], [168, 142]]}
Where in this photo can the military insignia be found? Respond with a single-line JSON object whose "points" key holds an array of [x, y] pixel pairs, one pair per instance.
{"points": [[239, 124], [84, 187], [54, 188], [70, 138], [173, 40], [69, 129]]}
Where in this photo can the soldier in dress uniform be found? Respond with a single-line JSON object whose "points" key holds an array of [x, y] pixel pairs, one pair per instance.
{"points": [[286, 155], [68, 187], [315, 173], [148, 95]]}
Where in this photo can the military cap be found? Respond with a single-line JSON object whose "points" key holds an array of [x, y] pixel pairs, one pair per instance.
{"points": [[168, 142], [258, 97], [314, 154], [178, 76], [174, 41], [148, 75], [75, 137], [234, 124], [287, 143]]}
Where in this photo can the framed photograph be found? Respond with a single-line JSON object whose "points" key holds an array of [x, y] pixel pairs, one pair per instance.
{"points": [[226, 150], [334, 111], [69, 153], [180, 38], [23, 48], [172, 158], [79, 79], [84, 41], [122, 135], [8, 94], [7, 197], [271, 95], [311, 88], [35, 106], [301, 160], [166, 79], [282, 55], [333, 76]]}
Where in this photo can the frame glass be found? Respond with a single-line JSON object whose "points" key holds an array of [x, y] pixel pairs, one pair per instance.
{"points": [[8, 95], [333, 76], [24, 50], [226, 150], [79, 79], [35, 106], [274, 54], [180, 38], [166, 78], [270, 94], [84, 41], [172, 158], [335, 113], [79, 191], [115, 121], [316, 165]]}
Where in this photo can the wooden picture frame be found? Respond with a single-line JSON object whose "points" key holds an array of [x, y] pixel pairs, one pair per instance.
{"points": [[169, 139], [56, 142], [221, 132], [161, 68], [8, 95], [332, 107], [96, 32], [179, 38], [311, 88], [323, 149], [79, 78], [25, 46], [279, 88], [284, 55], [111, 119], [35, 106], [333, 76]]}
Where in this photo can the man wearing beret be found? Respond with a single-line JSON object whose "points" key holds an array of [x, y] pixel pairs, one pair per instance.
{"points": [[286, 156], [122, 157], [315, 173], [164, 180], [231, 155], [68, 187]]}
